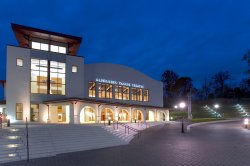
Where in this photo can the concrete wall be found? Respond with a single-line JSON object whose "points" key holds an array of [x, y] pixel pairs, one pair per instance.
{"points": [[18, 82], [124, 74]]}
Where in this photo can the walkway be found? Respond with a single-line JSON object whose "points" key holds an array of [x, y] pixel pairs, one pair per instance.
{"points": [[224, 144]]}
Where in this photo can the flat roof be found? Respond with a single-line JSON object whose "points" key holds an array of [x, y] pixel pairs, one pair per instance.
{"points": [[94, 101], [23, 34]]}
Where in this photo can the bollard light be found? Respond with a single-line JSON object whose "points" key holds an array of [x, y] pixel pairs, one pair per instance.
{"points": [[109, 120], [246, 121]]}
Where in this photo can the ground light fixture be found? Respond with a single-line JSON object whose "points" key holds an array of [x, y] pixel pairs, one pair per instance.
{"points": [[246, 122], [109, 118]]}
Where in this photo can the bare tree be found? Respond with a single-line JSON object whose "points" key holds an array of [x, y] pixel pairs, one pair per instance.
{"points": [[219, 82], [169, 78]]}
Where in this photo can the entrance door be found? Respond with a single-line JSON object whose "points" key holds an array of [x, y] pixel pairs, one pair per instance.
{"points": [[61, 114], [34, 112]]}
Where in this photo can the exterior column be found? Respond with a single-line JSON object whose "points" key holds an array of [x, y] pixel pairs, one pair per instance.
{"points": [[155, 115], [77, 113], [131, 115], [71, 113], [144, 112], [98, 114], [116, 113]]}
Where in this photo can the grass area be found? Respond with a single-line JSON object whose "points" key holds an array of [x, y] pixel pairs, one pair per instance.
{"points": [[197, 120]]}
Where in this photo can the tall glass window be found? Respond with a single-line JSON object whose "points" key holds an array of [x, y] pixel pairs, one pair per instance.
{"points": [[133, 94], [19, 111], [57, 78], [136, 94], [105, 90], [145, 95], [101, 90], [109, 90], [92, 86], [139, 94], [47, 80], [39, 74], [118, 92], [125, 93]]}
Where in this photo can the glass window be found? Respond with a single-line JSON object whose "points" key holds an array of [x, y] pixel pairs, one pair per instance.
{"points": [[92, 86], [109, 90], [145, 95], [139, 94], [57, 78], [125, 93], [62, 50], [74, 69], [35, 45], [118, 92], [133, 94], [53, 48], [40, 80], [101, 90], [44, 47], [39, 76], [19, 111], [19, 62]]}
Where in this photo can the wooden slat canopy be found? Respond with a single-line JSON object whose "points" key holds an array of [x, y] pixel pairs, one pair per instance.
{"points": [[23, 34]]}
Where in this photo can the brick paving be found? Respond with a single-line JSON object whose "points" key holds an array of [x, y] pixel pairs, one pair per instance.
{"points": [[222, 144]]}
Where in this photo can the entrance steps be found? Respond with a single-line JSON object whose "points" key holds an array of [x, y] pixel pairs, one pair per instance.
{"points": [[119, 130], [50, 140]]}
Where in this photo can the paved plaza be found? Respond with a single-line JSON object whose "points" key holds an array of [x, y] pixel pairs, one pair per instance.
{"points": [[221, 144]]}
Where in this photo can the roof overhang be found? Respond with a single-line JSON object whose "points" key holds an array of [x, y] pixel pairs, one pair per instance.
{"points": [[101, 102], [24, 33]]}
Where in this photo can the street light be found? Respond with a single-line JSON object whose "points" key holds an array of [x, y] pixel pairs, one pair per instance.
{"points": [[182, 105], [216, 106]]}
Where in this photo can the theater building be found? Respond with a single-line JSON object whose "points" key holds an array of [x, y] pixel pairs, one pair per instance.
{"points": [[47, 82]]}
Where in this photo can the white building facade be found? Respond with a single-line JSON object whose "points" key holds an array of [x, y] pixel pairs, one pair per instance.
{"points": [[47, 82]]}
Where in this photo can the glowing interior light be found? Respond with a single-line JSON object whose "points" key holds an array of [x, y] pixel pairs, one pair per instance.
{"points": [[13, 137], [13, 130], [246, 121], [12, 145], [12, 155]]}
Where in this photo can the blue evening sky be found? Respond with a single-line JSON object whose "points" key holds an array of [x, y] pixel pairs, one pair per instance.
{"points": [[195, 38]]}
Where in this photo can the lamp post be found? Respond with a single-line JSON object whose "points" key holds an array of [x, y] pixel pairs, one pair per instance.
{"points": [[182, 105], [216, 106]]}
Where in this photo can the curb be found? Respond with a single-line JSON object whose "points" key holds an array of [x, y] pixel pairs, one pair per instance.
{"points": [[204, 123]]}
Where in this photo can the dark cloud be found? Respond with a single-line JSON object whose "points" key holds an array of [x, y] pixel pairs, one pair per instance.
{"points": [[194, 38]]}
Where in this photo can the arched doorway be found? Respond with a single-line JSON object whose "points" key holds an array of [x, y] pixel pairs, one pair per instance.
{"points": [[137, 115], [87, 115], [150, 116], [123, 115], [106, 113], [162, 116]]}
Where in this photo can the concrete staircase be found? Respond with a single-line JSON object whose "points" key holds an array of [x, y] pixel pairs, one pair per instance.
{"points": [[119, 130], [50, 140]]}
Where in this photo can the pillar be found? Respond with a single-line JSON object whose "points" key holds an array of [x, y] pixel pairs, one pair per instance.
{"points": [[71, 113]]}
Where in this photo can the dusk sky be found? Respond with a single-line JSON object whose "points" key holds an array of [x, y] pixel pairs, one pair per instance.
{"points": [[193, 38]]}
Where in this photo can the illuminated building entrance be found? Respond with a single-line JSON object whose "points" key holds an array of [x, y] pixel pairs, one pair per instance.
{"points": [[106, 113], [123, 115], [150, 116], [137, 115], [87, 115]]}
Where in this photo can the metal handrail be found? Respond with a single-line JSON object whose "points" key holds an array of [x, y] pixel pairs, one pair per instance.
{"points": [[127, 128]]}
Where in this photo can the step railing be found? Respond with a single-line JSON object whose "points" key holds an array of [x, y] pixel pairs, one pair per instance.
{"points": [[127, 128]]}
